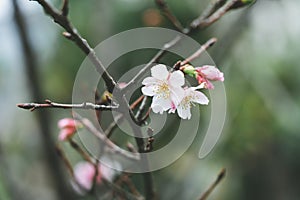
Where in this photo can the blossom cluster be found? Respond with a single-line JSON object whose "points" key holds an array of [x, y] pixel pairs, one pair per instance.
{"points": [[168, 91]]}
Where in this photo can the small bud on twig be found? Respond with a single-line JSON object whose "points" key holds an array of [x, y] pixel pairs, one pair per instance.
{"points": [[67, 35]]}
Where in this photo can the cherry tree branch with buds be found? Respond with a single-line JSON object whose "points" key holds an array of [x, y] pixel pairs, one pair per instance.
{"points": [[214, 12], [50, 104]]}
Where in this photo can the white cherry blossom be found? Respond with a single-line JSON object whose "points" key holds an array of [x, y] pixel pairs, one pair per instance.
{"points": [[191, 96], [165, 88]]}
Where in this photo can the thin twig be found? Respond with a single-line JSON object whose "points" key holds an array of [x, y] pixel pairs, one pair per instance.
{"points": [[83, 154], [64, 159], [63, 21], [130, 185], [50, 104], [203, 48], [112, 147], [162, 5], [117, 189], [136, 102], [143, 119], [200, 23], [220, 177], [113, 125], [96, 167], [141, 109], [211, 8]]}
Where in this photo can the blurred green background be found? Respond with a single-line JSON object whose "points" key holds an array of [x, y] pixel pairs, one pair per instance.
{"points": [[258, 50]]}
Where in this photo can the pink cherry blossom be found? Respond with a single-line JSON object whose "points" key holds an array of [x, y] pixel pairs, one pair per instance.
{"points": [[84, 173], [66, 133], [66, 122], [208, 73], [165, 88], [67, 128], [191, 96]]}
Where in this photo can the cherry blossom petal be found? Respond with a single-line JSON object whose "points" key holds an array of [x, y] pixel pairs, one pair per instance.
{"points": [[161, 104], [160, 72], [184, 112], [149, 81], [212, 73], [199, 97], [156, 108], [176, 79], [177, 95], [148, 90], [84, 174], [209, 85]]}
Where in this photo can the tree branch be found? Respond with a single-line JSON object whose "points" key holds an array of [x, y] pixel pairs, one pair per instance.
{"points": [[50, 104], [141, 109], [65, 160], [203, 48], [82, 153], [220, 177], [162, 5], [211, 8], [201, 23]]}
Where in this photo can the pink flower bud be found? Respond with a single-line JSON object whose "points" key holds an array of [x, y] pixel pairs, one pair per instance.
{"points": [[210, 72], [67, 128], [66, 133], [66, 122]]}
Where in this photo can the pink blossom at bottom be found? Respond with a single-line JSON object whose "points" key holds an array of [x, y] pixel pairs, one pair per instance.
{"points": [[84, 173]]}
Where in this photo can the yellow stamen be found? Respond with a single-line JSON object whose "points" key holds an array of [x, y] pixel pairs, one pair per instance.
{"points": [[163, 90]]}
